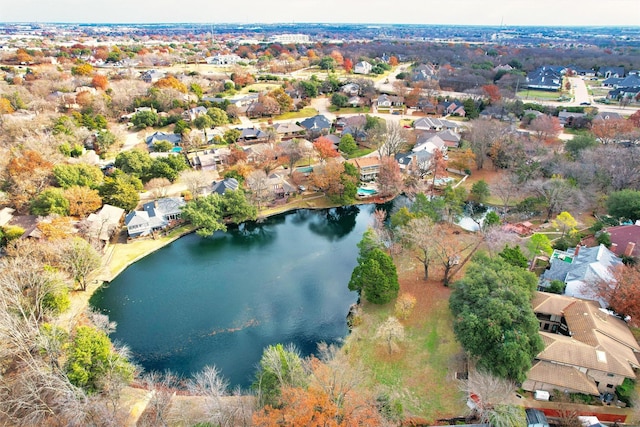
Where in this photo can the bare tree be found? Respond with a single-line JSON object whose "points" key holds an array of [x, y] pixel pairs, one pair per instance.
{"points": [[556, 193], [162, 387], [490, 395], [391, 332], [80, 260], [195, 181], [482, 134], [259, 185], [395, 139], [420, 234], [507, 190], [158, 187]]}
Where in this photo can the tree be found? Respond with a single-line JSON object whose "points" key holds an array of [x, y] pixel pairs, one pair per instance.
{"points": [[218, 116], [539, 243], [258, 183], [294, 150], [279, 367], [195, 180], [79, 174], [566, 223], [624, 204], [546, 128], [120, 191], [205, 213], [170, 82], [82, 70], [391, 332], [621, 291], [203, 123], [158, 187], [231, 136], [134, 162], [394, 139], [339, 100], [579, 143], [493, 92], [419, 234], [89, 358], [375, 275], [481, 137], [347, 144], [390, 180], [143, 119], [493, 317], [162, 146], [612, 130], [347, 65], [50, 201], [100, 81], [405, 305], [80, 260], [556, 194], [27, 174], [236, 207], [327, 63], [325, 149], [514, 256], [104, 141], [82, 200], [480, 191], [283, 99]]}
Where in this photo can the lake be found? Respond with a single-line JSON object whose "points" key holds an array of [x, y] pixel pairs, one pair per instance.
{"points": [[221, 300]]}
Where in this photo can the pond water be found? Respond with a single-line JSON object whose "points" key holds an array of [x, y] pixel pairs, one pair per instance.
{"points": [[221, 300]]}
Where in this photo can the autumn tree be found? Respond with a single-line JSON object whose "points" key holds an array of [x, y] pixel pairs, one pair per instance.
{"points": [[325, 149], [82, 70], [612, 130], [622, 291], [100, 81], [565, 222], [347, 65], [390, 332], [404, 306], [390, 180], [27, 174], [170, 82], [546, 128], [294, 150], [82, 200], [279, 367], [283, 99], [493, 92]]}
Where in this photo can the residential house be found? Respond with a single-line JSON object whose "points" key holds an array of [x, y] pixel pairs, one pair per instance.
{"points": [[104, 223], [154, 216], [163, 136], [566, 118], [227, 184], [606, 72], [625, 239], [218, 59], [350, 89], [316, 125], [450, 138], [426, 106], [587, 349], [355, 101], [415, 163], [625, 92], [279, 186], [429, 142], [362, 67], [455, 108], [368, 167], [545, 78], [579, 269], [152, 76], [193, 113], [206, 160], [435, 125], [288, 130], [389, 101], [600, 117], [253, 136], [423, 72]]}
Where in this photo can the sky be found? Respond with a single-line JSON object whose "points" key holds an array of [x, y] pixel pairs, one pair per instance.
{"points": [[454, 12]]}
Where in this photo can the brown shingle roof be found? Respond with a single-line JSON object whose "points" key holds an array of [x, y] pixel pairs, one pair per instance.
{"points": [[563, 377], [544, 302]]}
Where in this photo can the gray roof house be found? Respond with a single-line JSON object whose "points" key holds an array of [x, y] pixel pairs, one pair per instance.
{"points": [[433, 124], [362, 67], [318, 123], [579, 268], [221, 187], [544, 78], [104, 223], [163, 136], [607, 72], [154, 216], [193, 113]]}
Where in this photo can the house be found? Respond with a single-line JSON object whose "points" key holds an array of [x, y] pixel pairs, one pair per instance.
{"points": [[206, 160], [362, 67], [579, 269], [625, 239], [587, 349], [600, 117], [223, 186], [151, 76], [104, 223], [193, 113], [173, 138], [455, 108], [430, 143], [545, 78], [154, 216], [415, 163], [368, 167], [567, 118], [279, 186], [288, 130], [317, 124], [253, 136], [435, 125], [351, 89], [423, 72], [450, 138], [606, 72], [426, 106], [6, 215], [388, 101], [219, 59]]}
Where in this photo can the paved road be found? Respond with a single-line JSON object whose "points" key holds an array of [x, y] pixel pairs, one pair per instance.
{"points": [[579, 90]]}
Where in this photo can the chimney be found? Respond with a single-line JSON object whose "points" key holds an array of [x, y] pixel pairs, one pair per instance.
{"points": [[577, 251], [614, 248], [629, 250]]}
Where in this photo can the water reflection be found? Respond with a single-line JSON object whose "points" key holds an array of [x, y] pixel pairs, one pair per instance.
{"points": [[336, 223]]}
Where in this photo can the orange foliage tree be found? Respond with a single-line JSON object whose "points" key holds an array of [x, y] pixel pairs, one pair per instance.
{"points": [[170, 82], [546, 128], [57, 228], [390, 180], [493, 92], [331, 399], [27, 175], [623, 292], [393, 61], [337, 56], [347, 65], [82, 200], [5, 106], [100, 81], [325, 149], [635, 119], [612, 130]]}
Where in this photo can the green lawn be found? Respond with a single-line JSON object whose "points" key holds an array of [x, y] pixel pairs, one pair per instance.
{"points": [[301, 114], [349, 110], [538, 94]]}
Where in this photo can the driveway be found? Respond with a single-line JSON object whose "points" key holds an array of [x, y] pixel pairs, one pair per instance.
{"points": [[580, 92]]}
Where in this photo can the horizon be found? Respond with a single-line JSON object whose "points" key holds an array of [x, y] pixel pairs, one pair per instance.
{"points": [[509, 13]]}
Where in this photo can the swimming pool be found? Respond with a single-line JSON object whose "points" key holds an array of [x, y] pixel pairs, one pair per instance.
{"points": [[176, 150], [366, 191], [305, 169]]}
